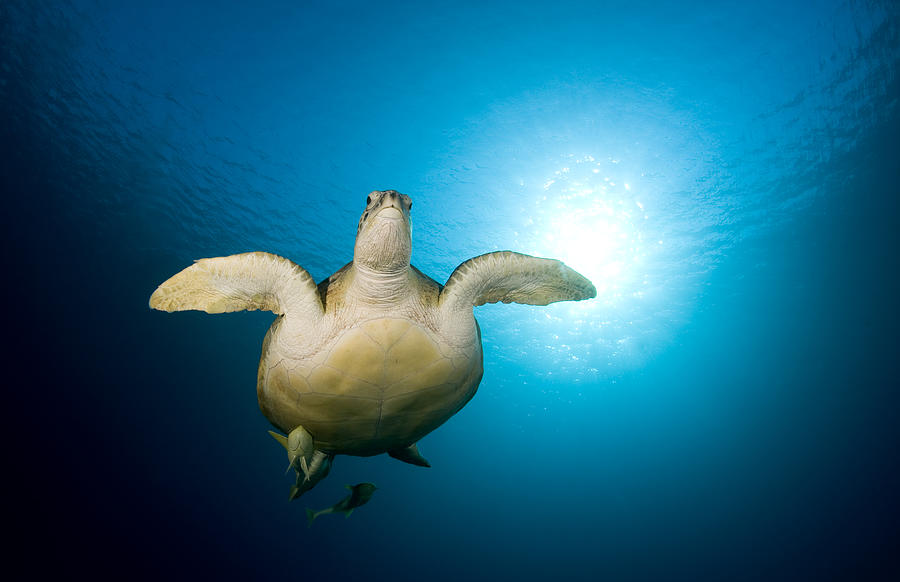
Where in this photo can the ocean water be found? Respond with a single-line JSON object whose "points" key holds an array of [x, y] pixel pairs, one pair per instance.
{"points": [[726, 173]]}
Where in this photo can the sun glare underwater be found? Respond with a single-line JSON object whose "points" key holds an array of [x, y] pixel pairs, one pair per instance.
{"points": [[725, 174]]}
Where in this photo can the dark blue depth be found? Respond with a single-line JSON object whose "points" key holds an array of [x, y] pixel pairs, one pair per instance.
{"points": [[726, 174]]}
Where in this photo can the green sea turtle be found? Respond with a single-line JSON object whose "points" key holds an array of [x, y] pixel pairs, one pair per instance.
{"points": [[377, 355]]}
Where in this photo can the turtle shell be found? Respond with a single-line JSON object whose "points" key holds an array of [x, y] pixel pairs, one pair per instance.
{"points": [[379, 385]]}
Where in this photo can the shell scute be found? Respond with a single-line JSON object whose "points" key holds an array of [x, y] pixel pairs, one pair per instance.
{"points": [[357, 355], [385, 332], [438, 372], [334, 407], [412, 354]]}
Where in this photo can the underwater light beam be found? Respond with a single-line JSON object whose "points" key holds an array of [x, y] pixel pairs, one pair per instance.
{"points": [[594, 222]]}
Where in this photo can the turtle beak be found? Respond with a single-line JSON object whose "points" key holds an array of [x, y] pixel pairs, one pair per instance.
{"points": [[394, 205], [390, 212]]}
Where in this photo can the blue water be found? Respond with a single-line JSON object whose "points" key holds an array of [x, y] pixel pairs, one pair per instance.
{"points": [[726, 173]]}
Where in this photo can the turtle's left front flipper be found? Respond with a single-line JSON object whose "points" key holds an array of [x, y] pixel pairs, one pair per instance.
{"points": [[247, 281], [513, 277]]}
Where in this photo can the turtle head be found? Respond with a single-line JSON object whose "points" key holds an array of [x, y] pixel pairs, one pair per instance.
{"points": [[383, 238]]}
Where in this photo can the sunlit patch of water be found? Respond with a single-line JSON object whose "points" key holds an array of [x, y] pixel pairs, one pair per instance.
{"points": [[592, 217], [591, 213]]}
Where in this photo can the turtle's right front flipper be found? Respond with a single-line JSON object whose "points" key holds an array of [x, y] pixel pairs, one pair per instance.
{"points": [[512, 278], [247, 281]]}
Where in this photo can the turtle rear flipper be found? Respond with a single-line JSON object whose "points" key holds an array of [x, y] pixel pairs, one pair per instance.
{"points": [[410, 455]]}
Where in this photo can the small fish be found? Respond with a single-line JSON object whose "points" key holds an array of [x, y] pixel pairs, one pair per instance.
{"points": [[311, 464], [359, 495], [318, 469], [300, 448]]}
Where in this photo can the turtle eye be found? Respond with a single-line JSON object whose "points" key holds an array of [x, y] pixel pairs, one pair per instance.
{"points": [[410, 207], [368, 200]]}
